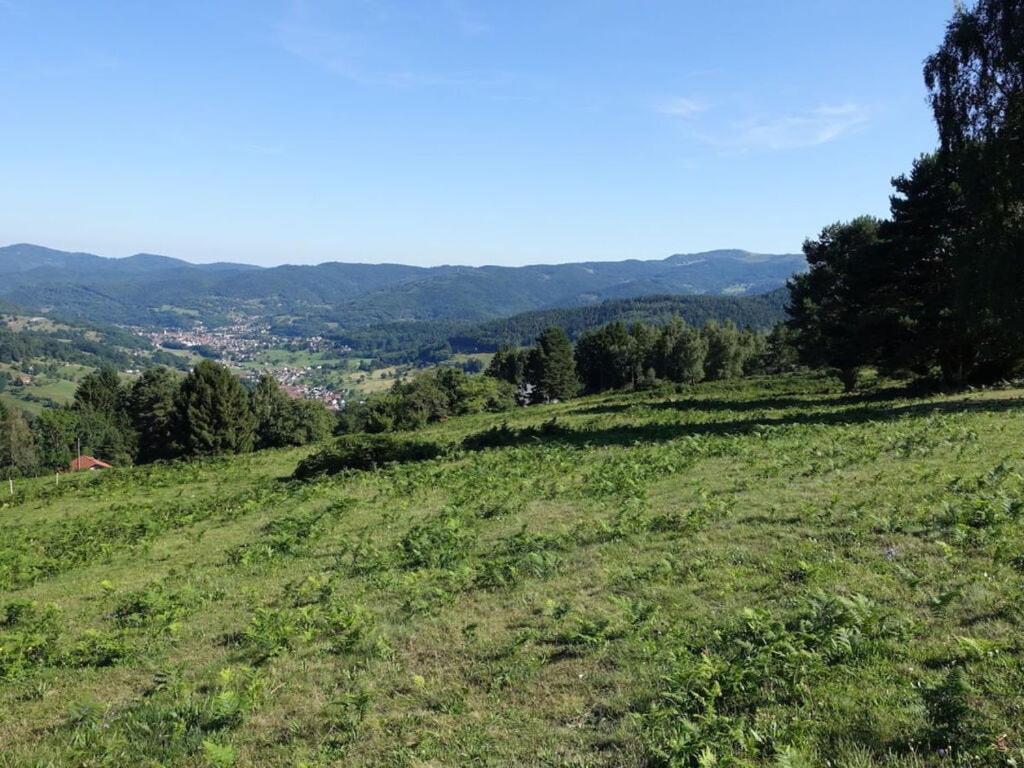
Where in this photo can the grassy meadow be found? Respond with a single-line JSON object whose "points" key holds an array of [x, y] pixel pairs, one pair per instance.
{"points": [[757, 573]]}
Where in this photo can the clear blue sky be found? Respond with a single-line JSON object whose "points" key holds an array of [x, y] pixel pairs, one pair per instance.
{"points": [[454, 131]]}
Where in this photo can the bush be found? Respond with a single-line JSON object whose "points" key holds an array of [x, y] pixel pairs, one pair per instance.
{"points": [[503, 435], [362, 451]]}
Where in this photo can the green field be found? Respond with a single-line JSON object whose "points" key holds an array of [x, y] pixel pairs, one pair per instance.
{"points": [[765, 572], [277, 358], [57, 387]]}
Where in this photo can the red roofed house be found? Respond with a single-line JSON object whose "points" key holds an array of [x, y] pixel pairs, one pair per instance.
{"points": [[87, 462]]}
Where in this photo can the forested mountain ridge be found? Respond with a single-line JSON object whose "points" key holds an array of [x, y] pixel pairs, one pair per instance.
{"points": [[412, 341], [146, 289]]}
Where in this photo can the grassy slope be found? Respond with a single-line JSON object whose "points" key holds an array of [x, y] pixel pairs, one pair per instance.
{"points": [[575, 602]]}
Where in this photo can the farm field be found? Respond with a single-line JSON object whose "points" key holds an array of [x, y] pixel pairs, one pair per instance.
{"points": [[760, 573], [55, 383]]}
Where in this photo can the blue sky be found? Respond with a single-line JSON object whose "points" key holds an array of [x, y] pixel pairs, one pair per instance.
{"points": [[454, 131]]}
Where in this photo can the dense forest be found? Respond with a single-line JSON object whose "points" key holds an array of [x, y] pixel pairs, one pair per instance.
{"points": [[425, 342]]}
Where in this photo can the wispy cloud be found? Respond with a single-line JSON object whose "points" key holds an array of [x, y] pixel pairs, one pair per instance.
{"points": [[682, 107], [810, 128], [362, 44]]}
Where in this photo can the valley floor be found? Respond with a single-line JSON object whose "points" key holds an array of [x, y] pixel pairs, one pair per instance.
{"points": [[765, 572]]}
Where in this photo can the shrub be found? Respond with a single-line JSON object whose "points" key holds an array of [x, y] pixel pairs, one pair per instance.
{"points": [[368, 452], [504, 435]]}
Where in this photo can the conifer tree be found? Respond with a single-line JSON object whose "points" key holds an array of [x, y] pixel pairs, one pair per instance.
{"points": [[151, 409], [212, 412], [104, 425], [835, 304], [552, 368]]}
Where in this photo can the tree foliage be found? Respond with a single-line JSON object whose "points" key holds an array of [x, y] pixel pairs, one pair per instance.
{"points": [[151, 408], [831, 305], [680, 353], [17, 443], [937, 287], [552, 367], [212, 412]]}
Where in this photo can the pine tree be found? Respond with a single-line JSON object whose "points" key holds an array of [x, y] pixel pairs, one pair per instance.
{"points": [[105, 427], [212, 412], [605, 358], [552, 368], [834, 307], [151, 408]]}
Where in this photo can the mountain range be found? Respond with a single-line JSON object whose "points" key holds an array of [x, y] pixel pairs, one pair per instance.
{"points": [[148, 289]]}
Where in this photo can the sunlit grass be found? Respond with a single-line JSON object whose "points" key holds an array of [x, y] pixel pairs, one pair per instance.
{"points": [[764, 572]]}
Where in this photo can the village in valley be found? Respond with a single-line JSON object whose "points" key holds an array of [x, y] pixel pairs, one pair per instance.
{"points": [[309, 368]]}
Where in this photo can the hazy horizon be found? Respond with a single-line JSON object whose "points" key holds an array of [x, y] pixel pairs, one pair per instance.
{"points": [[337, 261]]}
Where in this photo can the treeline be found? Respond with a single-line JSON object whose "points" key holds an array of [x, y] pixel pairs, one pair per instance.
{"points": [[762, 312], [640, 356], [936, 289], [161, 415], [610, 357], [429, 342]]}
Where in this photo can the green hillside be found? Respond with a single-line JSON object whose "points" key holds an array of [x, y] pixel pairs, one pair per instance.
{"points": [[404, 342], [42, 359], [763, 572]]}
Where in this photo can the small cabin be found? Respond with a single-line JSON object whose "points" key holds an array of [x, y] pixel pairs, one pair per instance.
{"points": [[87, 463]]}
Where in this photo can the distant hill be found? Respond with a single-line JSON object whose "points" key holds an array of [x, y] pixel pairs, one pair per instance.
{"points": [[431, 341], [24, 257], [760, 312], [149, 289]]}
